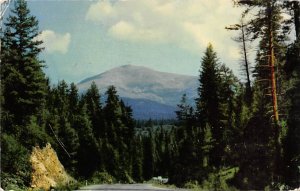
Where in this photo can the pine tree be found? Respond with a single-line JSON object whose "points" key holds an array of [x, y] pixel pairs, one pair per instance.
{"points": [[137, 162], [185, 112], [292, 146], [23, 91], [70, 140], [229, 85], [190, 159], [94, 108], [113, 117], [120, 131], [62, 102], [159, 148], [148, 162], [244, 40], [231, 105], [73, 100], [113, 113], [128, 121], [266, 25], [208, 104], [291, 142], [24, 83], [166, 158], [89, 158], [110, 158], [112, 109], [127, 134], [15, 163]]}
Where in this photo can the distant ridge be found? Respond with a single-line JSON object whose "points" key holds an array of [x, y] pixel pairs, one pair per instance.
{"points": [[131, 68], [136, 83]]}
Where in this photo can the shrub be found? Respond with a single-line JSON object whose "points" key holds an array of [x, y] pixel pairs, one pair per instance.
{"points": [[15, 166], [102, 178], [68, 187]]}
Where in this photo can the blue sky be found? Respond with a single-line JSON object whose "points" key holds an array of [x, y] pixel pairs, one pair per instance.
{"points": [[85, 38]]}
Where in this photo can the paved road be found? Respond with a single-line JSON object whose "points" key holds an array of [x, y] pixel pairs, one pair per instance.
{"points": [[124, 187]]}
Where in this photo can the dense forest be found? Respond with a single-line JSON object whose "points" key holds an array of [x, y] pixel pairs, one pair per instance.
{"points": [[242, 133]]}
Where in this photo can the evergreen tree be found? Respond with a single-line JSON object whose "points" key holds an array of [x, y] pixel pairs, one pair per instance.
{"points": [[63, 110], [92, 99], [159, 150], [73, 100], [15, 163], [62, 102], [110, 158], [113, 113], [24, 83], [112, 109], [208, 104], [23, 91], [185, 112], [148, 162], [88, 151], [190, 160], [230, 109], [256, 164], [70, 140], [128, 121], [128, 134], [137, 162], [120, 132], [166, 158], [292, 147], [291, 142], [244, 40], [267, 26]]}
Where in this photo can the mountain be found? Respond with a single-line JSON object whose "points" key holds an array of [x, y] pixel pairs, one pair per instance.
{"points": [[146, 109], [150, 93]]}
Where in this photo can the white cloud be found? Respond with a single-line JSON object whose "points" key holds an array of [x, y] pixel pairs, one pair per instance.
{"points": [[189, 24], [126, 31], [55, 42], [100, 10]]}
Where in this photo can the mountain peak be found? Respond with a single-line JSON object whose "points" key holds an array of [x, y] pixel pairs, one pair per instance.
{"points": [[120, 69], [131, 67], [139, 82]]}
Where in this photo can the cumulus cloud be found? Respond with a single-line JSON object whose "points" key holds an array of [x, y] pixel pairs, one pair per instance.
{"points": [[189, 24], [55, 42], [126, 31], [100, 10]]}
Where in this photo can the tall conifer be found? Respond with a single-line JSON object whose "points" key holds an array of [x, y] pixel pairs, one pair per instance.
{"points": [[208, 104], [24, 83]]}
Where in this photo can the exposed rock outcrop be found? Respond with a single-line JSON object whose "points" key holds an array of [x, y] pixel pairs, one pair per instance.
{"points": [[47, 171]]}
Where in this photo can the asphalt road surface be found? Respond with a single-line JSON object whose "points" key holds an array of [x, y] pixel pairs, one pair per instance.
{"points": [[125, 187]]}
